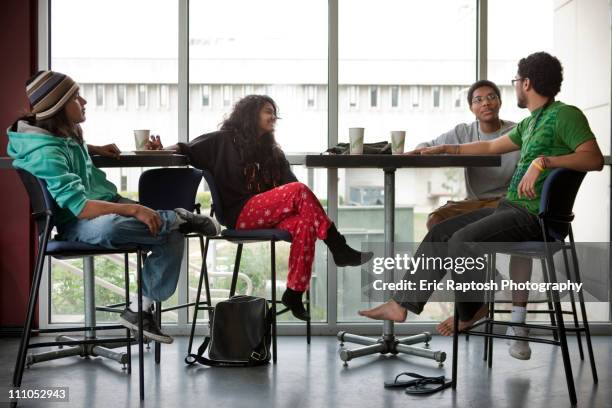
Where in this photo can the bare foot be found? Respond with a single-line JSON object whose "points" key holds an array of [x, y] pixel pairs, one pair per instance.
{"points": [[446, 327], [391, 310]]}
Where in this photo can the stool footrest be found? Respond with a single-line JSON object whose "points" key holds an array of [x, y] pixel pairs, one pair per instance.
{"points": [[84, 341]]}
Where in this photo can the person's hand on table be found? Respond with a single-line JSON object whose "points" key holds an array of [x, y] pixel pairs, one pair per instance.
{"points": [[154, 143], [442, 149], [109, 150], [416, 151]]}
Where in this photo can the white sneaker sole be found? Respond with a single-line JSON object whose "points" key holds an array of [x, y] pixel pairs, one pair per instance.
{"points": [[520, 352], [518, 349]]}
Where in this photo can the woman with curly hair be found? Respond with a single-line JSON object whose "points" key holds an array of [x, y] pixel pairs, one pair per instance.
{"points": [[259, 190]]}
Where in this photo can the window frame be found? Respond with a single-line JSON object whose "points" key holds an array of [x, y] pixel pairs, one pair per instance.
{"points": [[100, 95], [311, 95], [121, 90], [458, 96], [227, 95], [331, 326], [416, 95], [374, 97], [440, 91], [139, 97], [398, 89], [164, 89], [208, 96], [353, 96]]}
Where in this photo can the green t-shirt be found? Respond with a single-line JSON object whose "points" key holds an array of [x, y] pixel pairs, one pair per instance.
{"points": [[555, 130]]}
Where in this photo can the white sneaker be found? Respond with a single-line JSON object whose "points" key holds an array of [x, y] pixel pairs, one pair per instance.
{"points": [[519, 349]]}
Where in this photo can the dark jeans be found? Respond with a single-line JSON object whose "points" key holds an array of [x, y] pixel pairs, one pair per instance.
{"points": [[506, 223]]}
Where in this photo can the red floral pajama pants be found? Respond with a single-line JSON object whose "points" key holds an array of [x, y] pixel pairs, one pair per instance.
{"points": [[294, 208]]}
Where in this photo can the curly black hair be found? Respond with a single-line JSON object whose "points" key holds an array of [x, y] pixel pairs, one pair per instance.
{"points": [[480, 84], [544, 72], [261, 156]]}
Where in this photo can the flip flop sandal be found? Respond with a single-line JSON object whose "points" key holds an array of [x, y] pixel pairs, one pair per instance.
{"points": [[420, 385], [423, 386], [399, 384]]}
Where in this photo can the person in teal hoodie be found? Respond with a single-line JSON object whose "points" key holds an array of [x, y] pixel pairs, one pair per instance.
{"points": [[48, 143]]}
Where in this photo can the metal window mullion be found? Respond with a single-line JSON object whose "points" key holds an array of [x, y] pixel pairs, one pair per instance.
{"points": [[332, 140], [610, 196], [44, 35], [482, 19], [183, 136], [44, 62]]}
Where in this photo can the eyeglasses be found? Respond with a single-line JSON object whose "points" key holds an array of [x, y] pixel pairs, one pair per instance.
{"points": [[514, 80], [480, 99]]}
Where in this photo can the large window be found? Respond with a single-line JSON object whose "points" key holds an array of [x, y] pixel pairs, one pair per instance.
{"points": [[504, 51], [398, 69], [116, 49], [287, 60], [555, 28], [377, 45], [127, 57]]}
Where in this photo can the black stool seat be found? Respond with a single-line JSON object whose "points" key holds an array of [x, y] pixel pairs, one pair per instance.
{"points": [[263, 234], [71, 249], [531, 249]]}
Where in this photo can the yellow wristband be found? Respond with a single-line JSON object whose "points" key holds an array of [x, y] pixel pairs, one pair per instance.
{"points": [[537, 166]]}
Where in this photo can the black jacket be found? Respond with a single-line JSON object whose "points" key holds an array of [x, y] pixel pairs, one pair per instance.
{"points": [[217, 153]]}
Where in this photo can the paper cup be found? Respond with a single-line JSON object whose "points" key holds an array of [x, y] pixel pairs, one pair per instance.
{"points": [[398, 137], [141, 137], [356, 140]]}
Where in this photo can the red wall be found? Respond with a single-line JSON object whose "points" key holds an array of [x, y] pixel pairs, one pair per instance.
{"points": [[18, 27]]}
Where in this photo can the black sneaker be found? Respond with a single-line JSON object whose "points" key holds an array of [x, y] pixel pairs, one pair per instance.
{"points": [[201, 224], [150, 329]]}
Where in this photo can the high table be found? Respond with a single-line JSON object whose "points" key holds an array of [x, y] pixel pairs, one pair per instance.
{"points": [[126, 160], [141, 160], [388, 343]]}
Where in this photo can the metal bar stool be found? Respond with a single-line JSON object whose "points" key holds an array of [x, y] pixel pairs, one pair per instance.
{"points": [[555, 218], [43, 208]]}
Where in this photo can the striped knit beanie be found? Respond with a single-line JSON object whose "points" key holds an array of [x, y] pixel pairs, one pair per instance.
{"points": [[48, 92]]}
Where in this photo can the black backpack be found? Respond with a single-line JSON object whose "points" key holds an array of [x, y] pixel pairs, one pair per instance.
{"points": [[239, 334]]}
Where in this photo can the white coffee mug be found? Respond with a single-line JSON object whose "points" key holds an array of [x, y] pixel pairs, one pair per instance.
{"points": [[398, 138], [356, 140], [141, 137]]}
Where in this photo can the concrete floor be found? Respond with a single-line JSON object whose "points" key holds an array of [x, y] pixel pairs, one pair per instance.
{"points": [[315, 377]]}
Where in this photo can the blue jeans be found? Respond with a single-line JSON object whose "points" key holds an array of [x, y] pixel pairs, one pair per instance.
{"points": [[161, 269]]}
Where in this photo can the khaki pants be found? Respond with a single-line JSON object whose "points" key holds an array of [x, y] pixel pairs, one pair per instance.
{"points": [[454, 208]]}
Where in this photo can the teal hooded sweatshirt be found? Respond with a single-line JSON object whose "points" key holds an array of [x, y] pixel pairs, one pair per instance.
{"points": [[65, 165]]}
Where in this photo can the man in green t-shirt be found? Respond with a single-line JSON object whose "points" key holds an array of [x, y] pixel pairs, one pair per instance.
{"points": [[554, 135]]}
